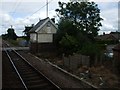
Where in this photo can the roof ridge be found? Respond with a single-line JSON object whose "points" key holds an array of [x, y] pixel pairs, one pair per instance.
{"points": [[44, 19], [38, 24]]}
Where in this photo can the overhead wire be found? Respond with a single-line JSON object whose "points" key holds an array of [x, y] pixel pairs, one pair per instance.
{"points": [[40, 8], [17, 5]]}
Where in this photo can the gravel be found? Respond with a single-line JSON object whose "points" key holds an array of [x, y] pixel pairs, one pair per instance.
{"points": [[9, 77], [61, 79]]}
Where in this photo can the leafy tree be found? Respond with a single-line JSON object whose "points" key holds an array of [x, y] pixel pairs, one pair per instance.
{"points": [[93, 50], [85, 15], [69, 44], [65, 26], [4, 36], [11, 34], [78, 25]]}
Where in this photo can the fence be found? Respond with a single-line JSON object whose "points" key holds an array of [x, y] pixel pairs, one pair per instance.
{"points": [[73, 62]]}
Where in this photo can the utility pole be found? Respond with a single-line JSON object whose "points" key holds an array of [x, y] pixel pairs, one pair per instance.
{"points": [[46, 8]]}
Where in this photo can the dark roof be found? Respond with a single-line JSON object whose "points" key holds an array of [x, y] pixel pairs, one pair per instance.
{"points": [[107, 36], [115, 32], [28, 28], [38, 24], [116, 35]]}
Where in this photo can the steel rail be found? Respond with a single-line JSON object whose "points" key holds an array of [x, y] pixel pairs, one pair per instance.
{"points": [[29, 65], [37, 70], [16, 71]]}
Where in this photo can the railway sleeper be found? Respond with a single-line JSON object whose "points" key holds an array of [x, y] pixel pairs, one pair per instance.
{"points": [[30, 75], [41, 85], [32, 78], [36, 82], [24, 70], [20, 62], [25, 73], [21, 66]]}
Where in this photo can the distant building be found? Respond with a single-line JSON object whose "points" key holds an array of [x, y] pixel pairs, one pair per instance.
{"points": [[115, 36], [109, 40], [42, 36]]}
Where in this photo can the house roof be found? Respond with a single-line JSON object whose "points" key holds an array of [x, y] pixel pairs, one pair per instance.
{"points": [[41, 23], [28, 28], [116, 35], [111, 35]]}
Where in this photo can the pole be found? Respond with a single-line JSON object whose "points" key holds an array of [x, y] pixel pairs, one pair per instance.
{"points": [[47, 8]]}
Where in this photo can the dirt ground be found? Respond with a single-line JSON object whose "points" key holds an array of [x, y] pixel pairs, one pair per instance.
{"points": [[100, 76]]}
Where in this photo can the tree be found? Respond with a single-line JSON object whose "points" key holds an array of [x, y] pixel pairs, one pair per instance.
{"points": [[85, 15], [11, 34], [69, 44], [79, 24], [93, 50], [4, 36], [69, 39]]}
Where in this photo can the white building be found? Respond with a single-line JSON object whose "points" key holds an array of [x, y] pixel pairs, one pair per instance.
{"points": [[42, 35]]}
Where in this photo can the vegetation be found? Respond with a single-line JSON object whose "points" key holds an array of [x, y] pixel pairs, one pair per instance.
{"points": [[79, 24], [10, 34]]}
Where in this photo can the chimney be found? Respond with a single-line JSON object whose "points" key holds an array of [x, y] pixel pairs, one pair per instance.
{"points": [[53, 19], [32, 25]]}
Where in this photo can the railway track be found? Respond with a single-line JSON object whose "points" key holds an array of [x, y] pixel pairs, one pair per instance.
{"points": [[30, 77]]}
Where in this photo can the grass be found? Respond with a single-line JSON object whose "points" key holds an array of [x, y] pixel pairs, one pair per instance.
{"points": [[15, 42]]}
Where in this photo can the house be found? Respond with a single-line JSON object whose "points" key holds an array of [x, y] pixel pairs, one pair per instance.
{"points": [[116, 55], [42, 36], [109, 40], [114, 36]]}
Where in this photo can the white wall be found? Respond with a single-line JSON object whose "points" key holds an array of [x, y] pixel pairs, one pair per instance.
{"points": [[33, 37], [44, 34], [46, 29], [44, 38]]}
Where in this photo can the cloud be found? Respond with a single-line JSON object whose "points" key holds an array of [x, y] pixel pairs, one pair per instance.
{"points": [[105, 0], [109, 13], [10, 16], [24, 14], [110, 22], [5, 21], [23, 0]]}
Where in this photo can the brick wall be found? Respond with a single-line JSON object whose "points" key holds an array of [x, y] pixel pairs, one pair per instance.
{"points": [[42, 47]]}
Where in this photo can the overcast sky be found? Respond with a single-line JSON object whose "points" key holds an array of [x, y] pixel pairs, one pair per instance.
{"points": [[20, 13]]}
